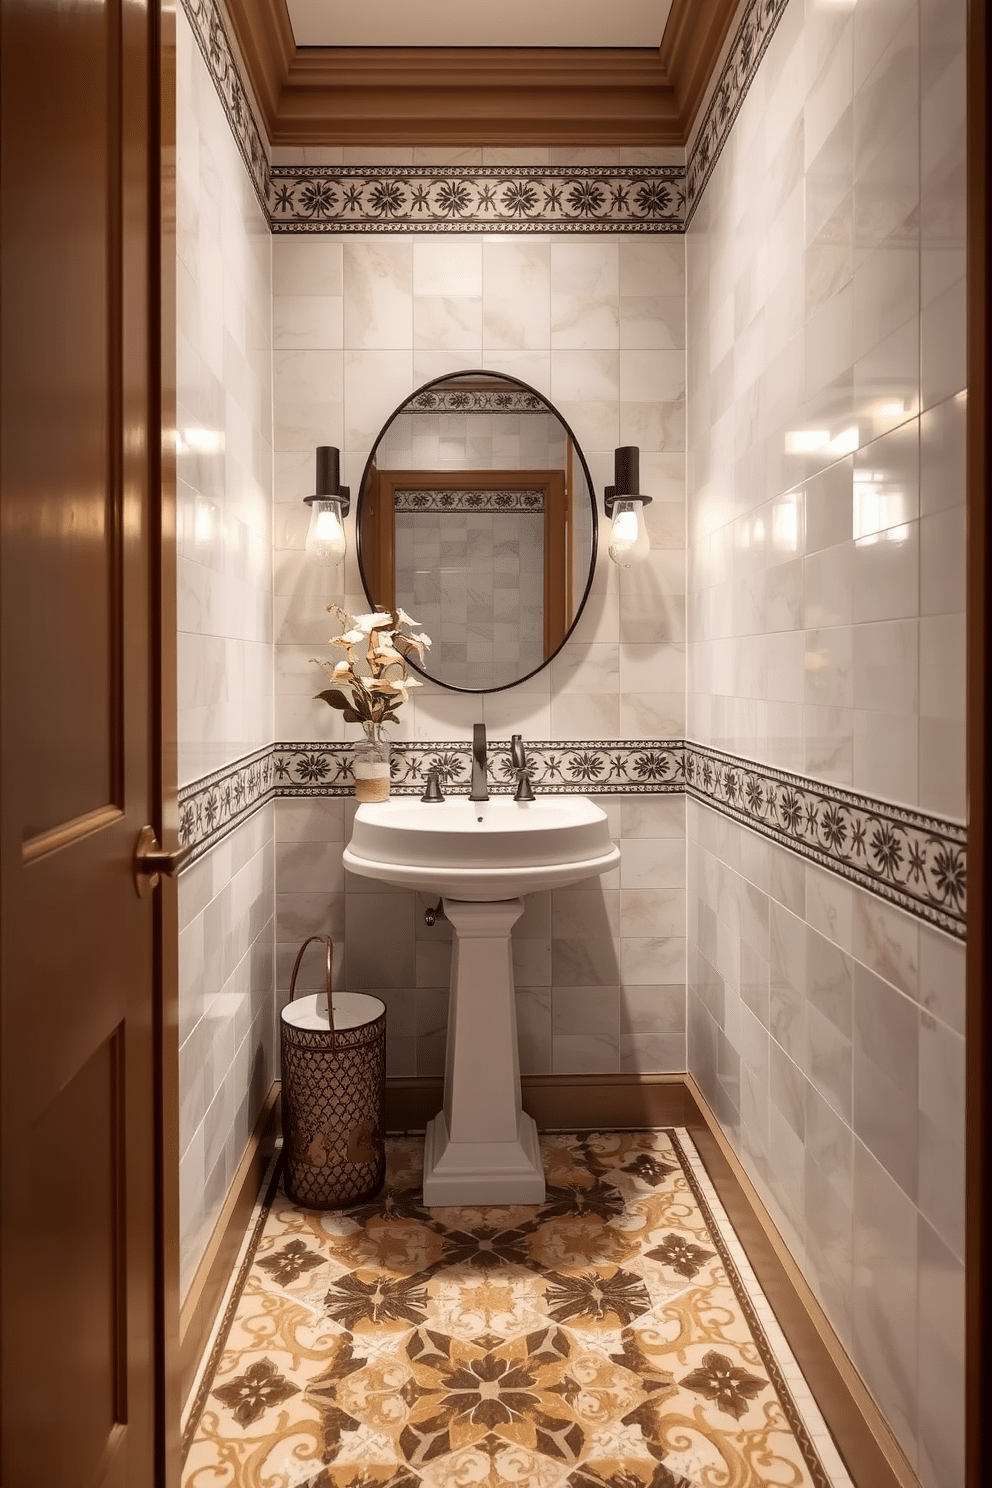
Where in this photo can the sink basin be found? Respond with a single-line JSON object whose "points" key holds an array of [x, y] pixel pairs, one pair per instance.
{"points": [[482, 850]]}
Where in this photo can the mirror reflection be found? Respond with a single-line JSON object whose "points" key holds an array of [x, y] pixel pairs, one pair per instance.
{"points": [[476, 516]]}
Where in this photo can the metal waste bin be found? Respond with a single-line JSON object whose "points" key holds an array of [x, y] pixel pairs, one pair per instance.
{"points": [[333, 1052]]}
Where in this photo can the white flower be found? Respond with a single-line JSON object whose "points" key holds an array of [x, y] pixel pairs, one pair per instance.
{"points": [[397, 687], [366, 623], [376, 645], [384, 647]]}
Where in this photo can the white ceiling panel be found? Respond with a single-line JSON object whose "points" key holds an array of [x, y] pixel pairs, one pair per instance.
{"points": [[475, 23]]}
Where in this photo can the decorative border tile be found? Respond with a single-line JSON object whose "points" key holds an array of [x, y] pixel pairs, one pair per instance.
{"points": [[916, 861], [468, 399], [210, 30], [443, 199], [757, 26], [495, 198], [468, 501], [212, 807], [435, 199], [606, 768]]}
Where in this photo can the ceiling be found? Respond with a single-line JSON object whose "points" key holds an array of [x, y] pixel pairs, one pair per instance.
{"points": [[455, 23], [457, 73]]}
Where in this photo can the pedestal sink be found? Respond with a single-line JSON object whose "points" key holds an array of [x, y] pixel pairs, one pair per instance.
{"points": [[481, 857]]}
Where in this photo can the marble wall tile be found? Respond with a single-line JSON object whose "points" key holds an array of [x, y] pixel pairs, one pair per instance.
{"points": [[228, 1048], [224, 642], [224, 437], [941, 1347], [837, 1072], [412, 308], [886, 1280], [852, 446]]}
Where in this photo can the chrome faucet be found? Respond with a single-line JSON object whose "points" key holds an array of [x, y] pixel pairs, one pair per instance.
{"points": [[480, 786]]}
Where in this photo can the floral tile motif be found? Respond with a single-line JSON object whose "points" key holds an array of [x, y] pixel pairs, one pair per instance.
{"points": [[914, 860], [503, 198], [435, 199], [462, 399], [917, 861], [448, 500], [206, 19], [315, 769], [754, 32], [211, 807], [603, 1338]]}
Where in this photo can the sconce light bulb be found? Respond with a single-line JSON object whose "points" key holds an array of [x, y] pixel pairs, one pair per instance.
{"points": [[629, 541], [325, 536]]}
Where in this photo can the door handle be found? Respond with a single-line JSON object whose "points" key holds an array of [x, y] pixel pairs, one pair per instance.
{"points": [[150, 861]]}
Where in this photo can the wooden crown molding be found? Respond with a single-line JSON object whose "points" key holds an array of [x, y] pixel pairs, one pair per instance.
{"points": [[479, 95]]}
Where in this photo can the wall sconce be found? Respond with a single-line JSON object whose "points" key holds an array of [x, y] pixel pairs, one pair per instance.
{"points": [[328, 509], [623, 502]]}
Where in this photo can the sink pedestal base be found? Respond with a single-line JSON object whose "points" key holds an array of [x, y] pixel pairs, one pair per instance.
{"points": [[482, 1148]]}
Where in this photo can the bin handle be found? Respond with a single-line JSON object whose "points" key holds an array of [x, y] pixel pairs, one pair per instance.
{"points": [[328, 942]]}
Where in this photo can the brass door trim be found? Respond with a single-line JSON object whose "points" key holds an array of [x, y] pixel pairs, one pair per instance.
{"points": [[151, 861]]}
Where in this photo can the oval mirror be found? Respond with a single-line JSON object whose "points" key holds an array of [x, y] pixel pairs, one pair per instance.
{"points": [[476, 516]]}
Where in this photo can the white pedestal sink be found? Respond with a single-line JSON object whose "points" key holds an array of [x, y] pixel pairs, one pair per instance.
{"points": [[482, 856]]}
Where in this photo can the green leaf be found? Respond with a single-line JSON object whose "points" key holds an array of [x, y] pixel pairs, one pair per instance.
{"points": [[389, 718], [350, 716], [334, 698]]}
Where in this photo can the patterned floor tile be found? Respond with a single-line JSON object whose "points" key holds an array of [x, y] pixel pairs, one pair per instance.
{"points": [[604, 1338]]}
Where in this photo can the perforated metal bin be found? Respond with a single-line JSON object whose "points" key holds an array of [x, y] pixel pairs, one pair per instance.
{"points": [[333, 1052]]}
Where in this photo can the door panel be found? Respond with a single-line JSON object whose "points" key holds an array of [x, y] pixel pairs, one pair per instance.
{"points": [[80, 996], [78, 1181], [62, 93]]}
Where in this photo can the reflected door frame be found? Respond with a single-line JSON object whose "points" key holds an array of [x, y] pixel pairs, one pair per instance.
{"points": [[377, 532]]}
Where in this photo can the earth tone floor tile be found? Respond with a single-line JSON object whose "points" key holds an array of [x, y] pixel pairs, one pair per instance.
{"points": [[604, 1338]]}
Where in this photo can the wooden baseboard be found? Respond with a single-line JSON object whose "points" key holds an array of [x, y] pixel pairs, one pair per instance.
{"points": [[864, 1439], [203, 1300], [557, 1102]]}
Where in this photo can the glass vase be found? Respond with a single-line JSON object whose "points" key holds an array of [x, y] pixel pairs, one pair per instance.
{"points": [[370, 764]]}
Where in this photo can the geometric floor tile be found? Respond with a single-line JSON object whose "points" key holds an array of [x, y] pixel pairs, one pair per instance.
{"points": [[603, 1338]]}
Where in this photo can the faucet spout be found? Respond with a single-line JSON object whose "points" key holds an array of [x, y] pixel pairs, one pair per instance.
{"points": [[480, 787]]}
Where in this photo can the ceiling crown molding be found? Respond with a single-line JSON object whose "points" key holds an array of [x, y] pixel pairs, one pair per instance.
{"points": [[479, 95]]}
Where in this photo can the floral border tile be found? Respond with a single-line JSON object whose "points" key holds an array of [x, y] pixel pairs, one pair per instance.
{"points": [[468, 501], [468, 399], [915, 860], [317, 770], [496, 198], [755, 31], [213, 806], [210, 30], [435, 199]]}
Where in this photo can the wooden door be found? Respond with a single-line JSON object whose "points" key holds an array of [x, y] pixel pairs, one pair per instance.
{"points": [[79, 570]]}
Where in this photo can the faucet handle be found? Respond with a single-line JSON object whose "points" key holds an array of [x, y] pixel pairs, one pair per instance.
{"points": [[519, 758], [433, 792]]}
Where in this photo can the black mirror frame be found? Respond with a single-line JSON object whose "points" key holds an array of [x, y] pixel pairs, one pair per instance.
{"points": [[577, 448]]}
